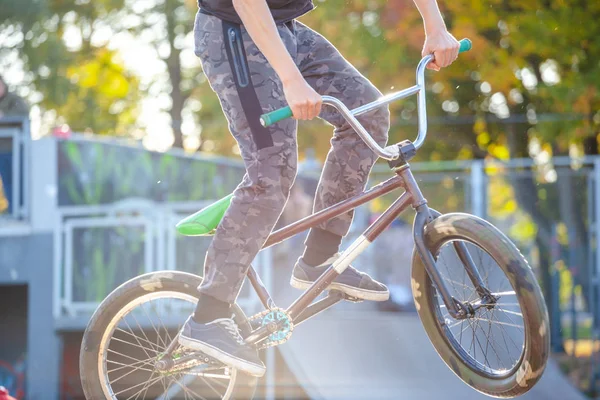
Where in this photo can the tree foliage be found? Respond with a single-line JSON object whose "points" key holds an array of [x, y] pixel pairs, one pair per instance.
{"points": [[69, 68]]}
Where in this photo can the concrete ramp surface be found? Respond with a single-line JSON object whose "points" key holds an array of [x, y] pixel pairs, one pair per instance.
{"points": [[354, 352], [373, 355]]}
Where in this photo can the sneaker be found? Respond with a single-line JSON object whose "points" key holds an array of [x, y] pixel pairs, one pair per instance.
{"points": [[221, 340], [351, 282]]}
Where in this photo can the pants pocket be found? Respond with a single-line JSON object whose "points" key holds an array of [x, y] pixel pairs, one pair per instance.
{"points": [[235, 42]]}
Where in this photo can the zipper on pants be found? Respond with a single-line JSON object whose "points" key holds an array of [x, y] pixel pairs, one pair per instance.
{"points": [[235, 43]]}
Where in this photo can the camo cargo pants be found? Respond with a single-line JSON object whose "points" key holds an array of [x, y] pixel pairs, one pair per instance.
{"points": [[247, 87]]}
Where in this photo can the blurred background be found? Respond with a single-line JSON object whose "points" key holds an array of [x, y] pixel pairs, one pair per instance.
{"points": [[110, 134]]}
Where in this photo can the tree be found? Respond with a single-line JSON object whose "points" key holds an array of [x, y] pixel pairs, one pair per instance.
{"points": [[68, 67], [166, 26]]}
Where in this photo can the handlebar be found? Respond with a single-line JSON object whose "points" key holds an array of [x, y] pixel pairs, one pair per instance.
{"points": [[390, 152]]}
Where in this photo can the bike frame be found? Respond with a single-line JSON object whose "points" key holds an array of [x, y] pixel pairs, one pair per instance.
{"points": [[398, 156], [303, 308]]}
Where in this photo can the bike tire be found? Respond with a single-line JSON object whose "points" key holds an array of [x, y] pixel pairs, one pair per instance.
{"points": [[467, 228], [244, 386]]}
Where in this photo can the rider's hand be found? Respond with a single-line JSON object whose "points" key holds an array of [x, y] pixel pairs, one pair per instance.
{"points": [[444, 48], [302, 99]]}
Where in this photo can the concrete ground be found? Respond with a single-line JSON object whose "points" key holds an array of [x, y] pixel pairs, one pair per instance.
{"points": [[347, 356]]}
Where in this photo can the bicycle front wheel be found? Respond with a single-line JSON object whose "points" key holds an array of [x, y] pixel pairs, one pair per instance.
{"points": [[501, 349], [131, 331]]}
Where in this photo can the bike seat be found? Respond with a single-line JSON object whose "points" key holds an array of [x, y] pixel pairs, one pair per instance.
{"points": [[205, 221]]}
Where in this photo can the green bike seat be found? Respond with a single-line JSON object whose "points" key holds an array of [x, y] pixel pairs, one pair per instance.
{"points": [[205, 221]]}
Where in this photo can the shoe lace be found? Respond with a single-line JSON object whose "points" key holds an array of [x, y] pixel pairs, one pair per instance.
{"points": [[232, 328]]}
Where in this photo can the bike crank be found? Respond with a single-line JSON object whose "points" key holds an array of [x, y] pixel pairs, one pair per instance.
{"points": [[278, 324]]}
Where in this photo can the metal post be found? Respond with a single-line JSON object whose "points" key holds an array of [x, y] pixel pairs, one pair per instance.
{"points": [[267, 272], [25, 174], [270, 378], [595, 276], [150, 229], [58, 267], [68, 263], [556, 337], [478, 188], [16, 175]]}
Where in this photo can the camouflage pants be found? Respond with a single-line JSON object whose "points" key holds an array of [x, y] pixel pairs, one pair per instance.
{"points": [[247, 86]]}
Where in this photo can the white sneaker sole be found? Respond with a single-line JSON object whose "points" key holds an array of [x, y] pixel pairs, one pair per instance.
{"points": [[363, 294], [219, 355]]}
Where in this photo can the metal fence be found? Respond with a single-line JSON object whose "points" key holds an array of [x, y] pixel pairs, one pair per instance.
{"points": [[14, 167], [99, 247], [117, 207], [551, 209], [104, 233]]}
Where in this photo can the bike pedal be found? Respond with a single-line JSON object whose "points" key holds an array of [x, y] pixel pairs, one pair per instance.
{"points": [[344, 296], [353, 299], [197, 356]]}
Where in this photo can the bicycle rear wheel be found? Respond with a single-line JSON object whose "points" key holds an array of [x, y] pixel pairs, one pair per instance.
{"points": [[501, 349], [129, 333]]}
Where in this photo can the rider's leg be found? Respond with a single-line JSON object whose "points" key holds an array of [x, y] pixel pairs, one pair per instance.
{"points": [[245, 84], [349, 161]]}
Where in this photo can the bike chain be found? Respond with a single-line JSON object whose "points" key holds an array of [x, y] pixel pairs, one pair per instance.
{"points": [[199, 359]]}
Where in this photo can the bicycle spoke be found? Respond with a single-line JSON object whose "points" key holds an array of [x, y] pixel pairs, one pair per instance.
{"points": [[168, 390], [189, 391], [140, 338], [146, 391], [491, 344], [500, 323], [162, 382], [138, 385], [126, 356], [135, 336], [508, 312], [131, 351], [131, 344], [159, 338], [143, 362], [486, 343], [127, 374], [509, 336], [508, 293], [144, 332], [503, 331], [479, 343], [163, 326]]}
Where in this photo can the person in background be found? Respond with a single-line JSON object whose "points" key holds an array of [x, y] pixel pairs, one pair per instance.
{"points": [[11, 105]]}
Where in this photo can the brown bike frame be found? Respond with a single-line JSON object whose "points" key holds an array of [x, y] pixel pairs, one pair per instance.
{"points": [[302, 309]]}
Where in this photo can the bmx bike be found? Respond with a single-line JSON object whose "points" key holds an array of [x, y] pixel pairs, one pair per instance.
{"points": [[476, 296]]}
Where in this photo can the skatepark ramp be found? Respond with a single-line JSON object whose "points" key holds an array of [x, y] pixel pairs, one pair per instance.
{"points": [[358, 355], [354, 352]]}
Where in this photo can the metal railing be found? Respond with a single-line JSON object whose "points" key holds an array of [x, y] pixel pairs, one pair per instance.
{"points": [[528, 200], [14, 166], [551, 210], [99, 247]]}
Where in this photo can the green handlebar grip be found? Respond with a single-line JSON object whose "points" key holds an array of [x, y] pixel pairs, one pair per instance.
{"points": [[275, 116], [465, 45]]}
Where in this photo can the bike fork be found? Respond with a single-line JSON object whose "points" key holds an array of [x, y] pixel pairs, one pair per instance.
{"points": [[455, 308]]}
